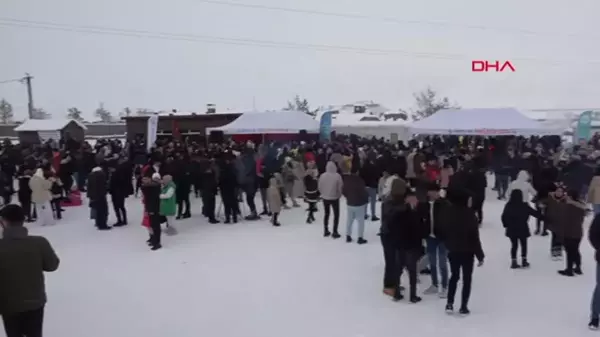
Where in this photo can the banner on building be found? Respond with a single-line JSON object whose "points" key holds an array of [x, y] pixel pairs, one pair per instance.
{"points": [[152, 130], [325, 126], [584, 126]]}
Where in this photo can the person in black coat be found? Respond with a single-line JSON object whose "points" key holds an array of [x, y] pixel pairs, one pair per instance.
{"points": [[151, 190], [24, 193], [463, 244], [391, 208], [182, 180], [228, 184], [119, 181], [370, 173], [210, 180], [477, 185], [96, 192], [406, 233], [594, 237], [515, 218]]}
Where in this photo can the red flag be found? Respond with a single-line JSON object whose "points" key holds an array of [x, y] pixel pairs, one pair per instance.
{"points": [[175, 130]]}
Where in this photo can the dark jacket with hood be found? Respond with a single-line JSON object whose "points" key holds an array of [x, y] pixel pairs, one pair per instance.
{"points": [[515, 217], [23, 261], [354, 190], [463, 229]]}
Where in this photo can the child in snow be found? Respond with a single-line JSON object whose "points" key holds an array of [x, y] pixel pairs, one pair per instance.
{"points": [[168, 203], [274, 200]]}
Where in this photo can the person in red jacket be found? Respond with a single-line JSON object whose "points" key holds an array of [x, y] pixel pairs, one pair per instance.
{"points": [[432, 170]]}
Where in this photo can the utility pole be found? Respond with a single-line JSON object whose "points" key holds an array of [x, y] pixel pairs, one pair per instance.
{"points": [[27, 79]]}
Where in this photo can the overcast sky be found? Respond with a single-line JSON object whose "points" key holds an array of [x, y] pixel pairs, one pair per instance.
{"points": [[399, 49]]}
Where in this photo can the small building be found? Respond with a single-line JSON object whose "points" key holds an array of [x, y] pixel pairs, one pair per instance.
{"points": [[35, 131], [187, 124]]}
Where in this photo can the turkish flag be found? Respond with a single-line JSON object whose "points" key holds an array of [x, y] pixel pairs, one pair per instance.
{"points": [[175, 130]]}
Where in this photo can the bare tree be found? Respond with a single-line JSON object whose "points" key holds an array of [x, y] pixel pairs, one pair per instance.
{"points": [[104, 115], [428, 103], [300, 104], [75, 114], [143, 112], [39, 113], [6, 112]]}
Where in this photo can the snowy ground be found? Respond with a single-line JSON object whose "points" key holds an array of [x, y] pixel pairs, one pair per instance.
{"points": [[252, 279]]}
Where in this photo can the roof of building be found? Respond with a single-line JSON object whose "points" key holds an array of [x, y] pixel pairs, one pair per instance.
{"points": [[53, 124]]}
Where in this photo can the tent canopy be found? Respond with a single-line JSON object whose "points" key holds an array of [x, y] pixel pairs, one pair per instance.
{"points": [[270, 122], [481, 122]]}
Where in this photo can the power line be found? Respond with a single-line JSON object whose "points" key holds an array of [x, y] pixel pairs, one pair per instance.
{"points": [[101, 30], [11, 81], [395, 20]]}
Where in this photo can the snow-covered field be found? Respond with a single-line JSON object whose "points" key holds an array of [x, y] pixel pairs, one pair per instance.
{"points": [[255, 280]]}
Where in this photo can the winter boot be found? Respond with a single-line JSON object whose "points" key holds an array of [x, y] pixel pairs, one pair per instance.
{"points": [[566, 272], [593, 324], [514, 264], [577, 270], [348, 238], [524, 263], [464, 311], [361, 241]]}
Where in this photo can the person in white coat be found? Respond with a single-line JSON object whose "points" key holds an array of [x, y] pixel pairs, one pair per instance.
{"points": [[41, 197], [522, 183]]}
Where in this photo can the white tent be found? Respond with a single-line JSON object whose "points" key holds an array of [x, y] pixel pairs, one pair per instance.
{"points": [[352, 124], [270, 122], [481, 122]]}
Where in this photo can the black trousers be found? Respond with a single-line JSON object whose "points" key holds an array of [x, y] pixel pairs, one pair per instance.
{"points": [[118, 202], [82, 180], [250, 191], [183, 202], [555, 245], [572, 252], [477, 206], [390, 274], [540, 225], [514, 246], [25, 202], [208, 204], [24, 324], [312, 207], [101, 208], [67, 181], [56, 207], [458, 262], [408, 259], [155, 221], [328, 205], [230, 204]]}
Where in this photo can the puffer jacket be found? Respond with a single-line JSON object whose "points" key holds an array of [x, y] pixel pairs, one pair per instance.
{"points": [[330, 183]]}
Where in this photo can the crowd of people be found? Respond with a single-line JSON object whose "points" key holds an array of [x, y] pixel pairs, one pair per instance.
{"points": [[432, 194]]}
